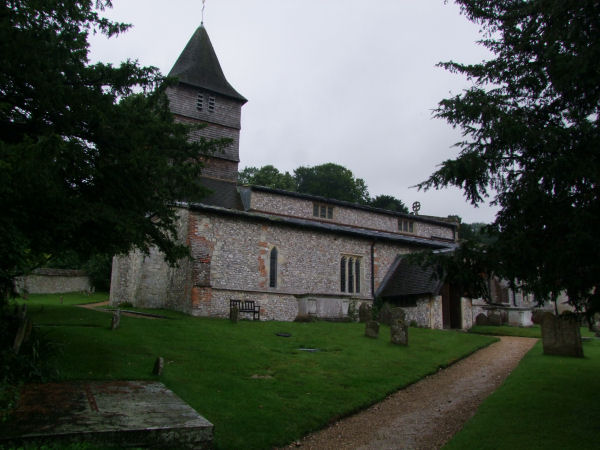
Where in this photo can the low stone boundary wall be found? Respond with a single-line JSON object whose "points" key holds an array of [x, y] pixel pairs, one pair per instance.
{"points": [[53, 281]]}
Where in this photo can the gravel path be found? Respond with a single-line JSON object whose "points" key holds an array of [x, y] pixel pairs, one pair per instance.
{"points": [[428, 413]]}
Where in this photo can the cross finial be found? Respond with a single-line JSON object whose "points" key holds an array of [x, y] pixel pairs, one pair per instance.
{"points": [[203, 5]]}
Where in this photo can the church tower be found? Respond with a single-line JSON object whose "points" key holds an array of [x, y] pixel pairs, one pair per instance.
{"points": [[203, 95]]}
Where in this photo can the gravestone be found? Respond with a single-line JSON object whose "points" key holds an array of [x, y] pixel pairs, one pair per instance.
{"points": [[398, 314], [158, 366], [364, 312], [481, 319], [561, 335], [116, 319], [399, 332], [234, 314], [372, 329], [387, 314]]}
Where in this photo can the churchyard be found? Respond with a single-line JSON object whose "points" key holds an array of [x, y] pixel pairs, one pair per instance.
{"points": [[258, 389], [261, 389]]}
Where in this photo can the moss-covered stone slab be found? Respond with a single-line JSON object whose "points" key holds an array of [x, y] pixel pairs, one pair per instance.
{"points": [[112, 413]]}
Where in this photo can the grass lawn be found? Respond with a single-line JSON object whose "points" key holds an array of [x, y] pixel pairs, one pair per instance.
{"points": [[548, 402], [258, 389], [505, 330]]}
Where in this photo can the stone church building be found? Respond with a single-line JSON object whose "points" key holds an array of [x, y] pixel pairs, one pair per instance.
{"points": [[293, 254]]}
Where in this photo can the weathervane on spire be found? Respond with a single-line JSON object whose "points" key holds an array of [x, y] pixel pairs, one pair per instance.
{"points": [[203, 5]]}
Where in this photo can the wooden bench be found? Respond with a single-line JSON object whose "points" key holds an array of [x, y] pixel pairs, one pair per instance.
{"points": [[246, 306]]}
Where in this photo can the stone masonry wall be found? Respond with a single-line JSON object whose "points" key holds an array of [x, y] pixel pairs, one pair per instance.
{"points": [[273, 306], [427, 313], [466, 307], [239, 252], [385, 254], [298, 207], [53, 281], [147, 281], [231, 261]]}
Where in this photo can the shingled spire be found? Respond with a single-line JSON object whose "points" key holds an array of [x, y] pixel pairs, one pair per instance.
{"points": [[198, 66], [204, 96]]}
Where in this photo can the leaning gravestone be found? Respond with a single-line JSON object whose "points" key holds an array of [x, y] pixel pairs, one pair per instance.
{"points": [[481, 319], [561, 335], [364, 313], [399, 332], [116, 319], [372, 329]]}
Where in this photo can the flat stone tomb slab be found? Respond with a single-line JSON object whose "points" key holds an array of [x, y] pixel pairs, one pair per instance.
{"points": [[119, 413]]}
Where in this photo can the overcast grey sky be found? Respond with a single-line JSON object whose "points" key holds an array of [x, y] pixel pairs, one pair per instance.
{"points": [[344, 81]]}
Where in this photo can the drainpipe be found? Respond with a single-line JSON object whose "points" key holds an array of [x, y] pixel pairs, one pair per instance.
{"points": [[373, 270]]}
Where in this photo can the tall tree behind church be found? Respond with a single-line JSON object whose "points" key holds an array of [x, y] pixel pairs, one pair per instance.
{"points": [[326, 180]]}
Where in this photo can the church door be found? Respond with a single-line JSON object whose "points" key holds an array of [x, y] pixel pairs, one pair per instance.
{"points": [[451, 310]]}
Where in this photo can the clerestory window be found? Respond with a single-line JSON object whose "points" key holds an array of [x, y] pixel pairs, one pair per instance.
{"points": [[406, 226], [322, 210]]}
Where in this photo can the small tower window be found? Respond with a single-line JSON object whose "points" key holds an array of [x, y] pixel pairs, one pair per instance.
{"points": [[200, 101], [211, 104]]}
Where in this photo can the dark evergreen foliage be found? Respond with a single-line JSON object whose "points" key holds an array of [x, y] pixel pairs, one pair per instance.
{"points": [[90, 157], [530, 124]]}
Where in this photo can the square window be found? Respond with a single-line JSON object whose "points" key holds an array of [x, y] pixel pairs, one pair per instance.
{"points": [[406, 226], [322, 210]]}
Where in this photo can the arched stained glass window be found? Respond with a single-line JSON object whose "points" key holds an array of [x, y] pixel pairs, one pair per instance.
{"points": [[350, 273], [273, 268]]}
